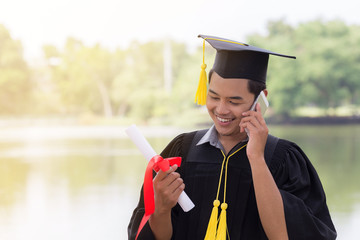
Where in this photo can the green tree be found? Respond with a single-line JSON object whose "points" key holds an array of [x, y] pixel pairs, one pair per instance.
{"points": [[83, 77], [140, 89], [326, 71], [141, 76], [15, 84]]}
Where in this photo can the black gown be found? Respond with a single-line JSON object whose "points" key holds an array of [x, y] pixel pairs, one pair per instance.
{"points": [[306, 213]]}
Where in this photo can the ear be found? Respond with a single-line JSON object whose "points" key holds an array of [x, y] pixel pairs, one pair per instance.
{"points": [[265, 92]]}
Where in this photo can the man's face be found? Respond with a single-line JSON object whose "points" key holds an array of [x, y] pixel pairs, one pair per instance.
{"points": [[227, 99]]}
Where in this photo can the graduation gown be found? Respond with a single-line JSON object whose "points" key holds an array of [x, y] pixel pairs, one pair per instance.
{"points": [[306, 213]]}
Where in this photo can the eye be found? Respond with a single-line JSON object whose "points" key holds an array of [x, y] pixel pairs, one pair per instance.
{"points": [[214, 98], [234, 103]]}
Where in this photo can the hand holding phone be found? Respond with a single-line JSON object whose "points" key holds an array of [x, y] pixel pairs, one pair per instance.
{"points": [[264, 104]]}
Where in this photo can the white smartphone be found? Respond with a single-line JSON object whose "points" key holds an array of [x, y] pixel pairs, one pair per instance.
{"points": [[262, 100], [264, 104]]}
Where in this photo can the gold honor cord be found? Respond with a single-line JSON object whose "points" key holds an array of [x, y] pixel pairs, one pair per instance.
{"points": [[213, 231]]}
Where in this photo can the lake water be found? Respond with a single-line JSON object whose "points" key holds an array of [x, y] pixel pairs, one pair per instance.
{"points": [[83, 182]]}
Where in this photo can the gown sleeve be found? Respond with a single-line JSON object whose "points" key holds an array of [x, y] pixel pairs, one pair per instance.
{"points": [[173, 149], [306, 213]]}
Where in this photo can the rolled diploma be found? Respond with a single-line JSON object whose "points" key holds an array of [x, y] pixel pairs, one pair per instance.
{"points": [[135, 135]]}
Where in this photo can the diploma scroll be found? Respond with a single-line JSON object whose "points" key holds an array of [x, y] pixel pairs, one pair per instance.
{"points": [[139, 140]]}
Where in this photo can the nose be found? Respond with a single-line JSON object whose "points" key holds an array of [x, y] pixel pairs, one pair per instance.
{"points": [[222, 108]]}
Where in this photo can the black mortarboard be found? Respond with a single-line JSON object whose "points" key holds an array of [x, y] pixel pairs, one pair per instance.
{"points": [[236, 60]]}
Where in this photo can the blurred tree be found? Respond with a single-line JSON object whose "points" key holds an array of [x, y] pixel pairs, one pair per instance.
{"points": [[124, 82], [328, 65], [140, 89], [15, 85], [326, 71], [141, 76], [83, 76]]}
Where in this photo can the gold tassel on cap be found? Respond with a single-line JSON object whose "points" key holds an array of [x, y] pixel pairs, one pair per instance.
{"points": [[200, 97]]}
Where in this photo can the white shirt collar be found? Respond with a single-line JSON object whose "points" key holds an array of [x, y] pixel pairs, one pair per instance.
{"points": [[211, 136]]}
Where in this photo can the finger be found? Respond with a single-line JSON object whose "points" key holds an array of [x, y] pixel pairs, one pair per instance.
{"points": [[255, 120], [241, 128], [162, 175], [257, 115], [169, 186], [175, 185], [252, 113], [260, 121], [249, 113], [171, 177], [243, 123], [174, 167], [247, 125], [247, 119], [178, 191], [250, 119], [250, 127], [255, 127]]}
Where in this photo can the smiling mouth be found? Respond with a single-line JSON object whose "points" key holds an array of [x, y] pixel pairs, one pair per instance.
{"points": [[224, 120]]}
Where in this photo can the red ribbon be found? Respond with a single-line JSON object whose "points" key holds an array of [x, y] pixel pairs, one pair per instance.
{"points": [[156, 163]]}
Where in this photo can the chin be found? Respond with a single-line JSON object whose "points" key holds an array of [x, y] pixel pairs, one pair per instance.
{"points": [[227, 131]]}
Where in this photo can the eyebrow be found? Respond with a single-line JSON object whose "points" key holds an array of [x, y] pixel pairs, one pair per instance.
{"points": [[234, 97]]}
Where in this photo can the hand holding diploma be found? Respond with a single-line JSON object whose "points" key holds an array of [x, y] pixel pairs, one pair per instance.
{"points": [[156, 163]]}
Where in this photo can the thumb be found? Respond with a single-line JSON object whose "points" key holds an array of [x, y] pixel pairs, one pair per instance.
{"points": [[172, 168]]}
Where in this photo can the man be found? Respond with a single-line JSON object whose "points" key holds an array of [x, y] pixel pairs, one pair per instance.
{"points": [[267, 187]]}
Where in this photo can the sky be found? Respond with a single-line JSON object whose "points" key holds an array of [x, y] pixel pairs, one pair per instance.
{"points": [[115, 23]]}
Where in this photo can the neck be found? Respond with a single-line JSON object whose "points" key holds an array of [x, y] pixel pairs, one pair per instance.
{"points": [[229, 142]]}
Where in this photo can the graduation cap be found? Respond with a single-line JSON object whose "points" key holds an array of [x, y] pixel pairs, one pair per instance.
{"points": [[234, 60]]}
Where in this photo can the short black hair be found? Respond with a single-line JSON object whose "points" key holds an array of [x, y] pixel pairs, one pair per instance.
{"points": [[256, 87], [253, 86]]}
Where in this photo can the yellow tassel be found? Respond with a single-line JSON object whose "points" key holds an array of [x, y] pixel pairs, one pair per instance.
{"points": [[221, 232], [211, 229], [200, 97]]}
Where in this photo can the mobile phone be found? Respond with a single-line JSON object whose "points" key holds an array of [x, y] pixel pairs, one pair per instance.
{"points": [[262, 100]]}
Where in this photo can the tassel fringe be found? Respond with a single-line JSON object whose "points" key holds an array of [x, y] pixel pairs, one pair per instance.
{"points": [[200, 97], [211, 230], [222, 229]]}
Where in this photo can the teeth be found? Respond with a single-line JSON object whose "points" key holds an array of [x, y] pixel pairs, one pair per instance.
{"points": [[223, 119]]}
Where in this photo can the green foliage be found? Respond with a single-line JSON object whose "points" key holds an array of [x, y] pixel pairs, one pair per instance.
{"points": [[125, 83], [15, 85], [326, 71], [83, 77]]}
